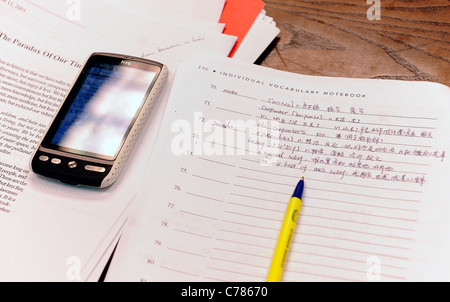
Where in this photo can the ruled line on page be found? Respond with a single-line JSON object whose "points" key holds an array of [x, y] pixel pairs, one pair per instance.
{"points": [[265, 181], [340, 139], [205, 197], [323, 265], [352, 113], [247, 97], [292, 176], [233, 272], [199, 215], [286, 114], [364, 195], [244, 214], [333, 258], [302, 234], [344, 136], [242, 253], [330, 191], [238, 262], [234, 241], [261, 189], [192, 233], [233, 111], [257, 207], [241, 233], [341, 258], [332, 156], [216, 162], [240, 223], [353, 129], [362, 223], [210, 179], [352, 250], [177, 270], [340, 130], [332, 219], [312, 197], [361, 186], [186, 252], [254, 255], [326, 157], [413, 180], [320, 226], [376, 206], [326, 276], [274, 235], [359, 232], [317, 180], [311, 206], [223, 145], [334, 267], [259, 198], [344, 122], [384, 226]]}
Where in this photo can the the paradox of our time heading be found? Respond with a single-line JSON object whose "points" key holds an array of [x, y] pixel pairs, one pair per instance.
{"points": [[33, 49]]}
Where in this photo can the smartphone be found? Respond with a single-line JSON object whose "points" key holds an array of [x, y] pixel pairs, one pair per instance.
{"points": [[97, 125]]}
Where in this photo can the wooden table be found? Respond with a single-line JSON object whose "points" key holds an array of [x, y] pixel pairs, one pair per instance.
{"points": [[338, 38]]}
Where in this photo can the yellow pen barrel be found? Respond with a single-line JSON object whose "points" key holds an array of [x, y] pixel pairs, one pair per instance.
{"points": [[284, 240]]}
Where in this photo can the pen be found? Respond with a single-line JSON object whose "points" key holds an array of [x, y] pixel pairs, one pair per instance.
{"points": [[286, 234]]}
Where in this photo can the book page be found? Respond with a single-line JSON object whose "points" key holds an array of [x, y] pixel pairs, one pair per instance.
{"points": [[53, 231], [237, 138], [203, 14], [207, 10]]}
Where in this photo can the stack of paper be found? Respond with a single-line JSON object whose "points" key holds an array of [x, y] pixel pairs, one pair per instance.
{"points": [[247, 20], [244, 19], [56, 232]]}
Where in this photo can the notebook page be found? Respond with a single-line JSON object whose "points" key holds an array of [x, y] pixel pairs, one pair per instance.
{"points": [[235, 140]]}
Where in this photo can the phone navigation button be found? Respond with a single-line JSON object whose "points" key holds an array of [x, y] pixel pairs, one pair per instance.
{"points": [[56, 161], [72, 164], [95, 169], [44, 158]]}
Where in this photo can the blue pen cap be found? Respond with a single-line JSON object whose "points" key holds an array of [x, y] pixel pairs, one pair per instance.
{"points": [[299, 189]]}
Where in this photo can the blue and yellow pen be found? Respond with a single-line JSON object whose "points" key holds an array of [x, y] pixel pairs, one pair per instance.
{"points": [[286, 234]]}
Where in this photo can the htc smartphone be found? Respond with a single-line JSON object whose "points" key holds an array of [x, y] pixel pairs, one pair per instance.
{"points": [[92, 135]]}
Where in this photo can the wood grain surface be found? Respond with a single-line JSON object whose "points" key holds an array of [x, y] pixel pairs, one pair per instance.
{"points": [[337, 38]]}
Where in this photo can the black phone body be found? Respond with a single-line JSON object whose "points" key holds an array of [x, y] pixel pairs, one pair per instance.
{"points": [[96, 127]]}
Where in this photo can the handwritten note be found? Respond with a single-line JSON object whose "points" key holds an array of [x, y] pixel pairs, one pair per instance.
{"points": [[373, 153]]}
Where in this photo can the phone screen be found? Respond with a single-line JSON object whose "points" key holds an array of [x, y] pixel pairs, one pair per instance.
{"points": [[103, 108]]}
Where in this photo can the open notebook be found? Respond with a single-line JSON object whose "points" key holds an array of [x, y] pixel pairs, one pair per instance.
{"points": [[235, 140]]}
